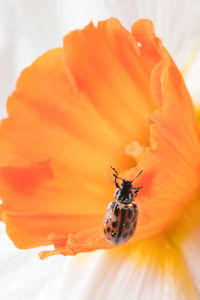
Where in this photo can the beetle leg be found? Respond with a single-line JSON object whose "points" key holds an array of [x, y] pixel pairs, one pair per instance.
{"points": [[115, 193], [136, 190]]}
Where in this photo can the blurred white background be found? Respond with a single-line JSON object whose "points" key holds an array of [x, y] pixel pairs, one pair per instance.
{"points": [[29, 28]]}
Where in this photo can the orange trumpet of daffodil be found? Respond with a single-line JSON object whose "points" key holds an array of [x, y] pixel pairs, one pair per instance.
{"points": [[108, 97]]}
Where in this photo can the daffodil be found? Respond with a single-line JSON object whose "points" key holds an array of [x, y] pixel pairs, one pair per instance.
{"points": [[108, 97]]}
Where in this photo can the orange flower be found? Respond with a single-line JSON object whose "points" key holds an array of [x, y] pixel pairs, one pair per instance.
{"points": [[108, 97]]}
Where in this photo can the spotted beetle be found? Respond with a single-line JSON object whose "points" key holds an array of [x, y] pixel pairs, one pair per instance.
{"points": [[121, 217]]}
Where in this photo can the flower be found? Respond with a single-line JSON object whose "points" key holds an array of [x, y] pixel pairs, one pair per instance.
{"points": [[52, 161]]}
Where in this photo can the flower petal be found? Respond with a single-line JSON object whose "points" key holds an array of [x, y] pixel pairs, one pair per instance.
{"points": [[50, 109], [175, 150], [126, 95], [47, 168], [42, 116], [46, 229]]}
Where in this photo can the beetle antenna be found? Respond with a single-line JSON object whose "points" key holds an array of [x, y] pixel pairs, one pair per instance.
{"points": [[116, 174], [137, 175]]}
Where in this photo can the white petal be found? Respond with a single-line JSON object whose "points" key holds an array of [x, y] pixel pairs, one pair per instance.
{"points": [[191, 250], [24, 276], [100, 276], [192, 79]]}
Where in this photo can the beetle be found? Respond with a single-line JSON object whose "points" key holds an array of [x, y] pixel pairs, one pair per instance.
{"points": [[121, 216]]}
